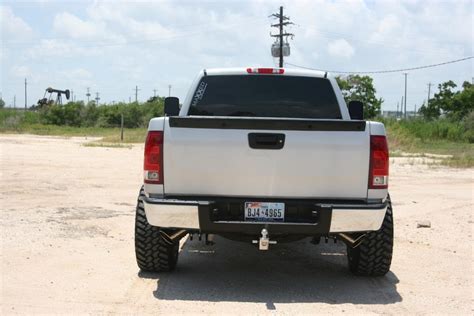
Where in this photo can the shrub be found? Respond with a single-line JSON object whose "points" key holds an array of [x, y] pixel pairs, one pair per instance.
{"points": [[80, 115], [469, 127]]}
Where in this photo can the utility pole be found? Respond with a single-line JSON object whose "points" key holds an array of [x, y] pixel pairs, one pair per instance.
{"points": [[136, 93], [401, 106], [129, 99], [14, 101], [397, 109], [169, 90], [97, 98], [154, 93], [88, 94], [282, 21], [281, 36], [429, 92], [26, 95], [121, 127], [405, 105], [72, 95]]}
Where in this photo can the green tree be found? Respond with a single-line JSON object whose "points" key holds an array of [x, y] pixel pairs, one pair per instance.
{"points": [[2, 103], [463, 102], [454, 105], [361, 88]]}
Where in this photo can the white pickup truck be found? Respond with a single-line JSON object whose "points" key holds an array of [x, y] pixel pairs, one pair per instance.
{"points": [[265, 155]]}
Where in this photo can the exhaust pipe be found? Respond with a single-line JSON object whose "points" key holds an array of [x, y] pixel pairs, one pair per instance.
{"points": [[352, 241], [171, 239]]}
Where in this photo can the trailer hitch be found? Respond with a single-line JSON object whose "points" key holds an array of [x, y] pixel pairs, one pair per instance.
{"points": [[264, 242]]}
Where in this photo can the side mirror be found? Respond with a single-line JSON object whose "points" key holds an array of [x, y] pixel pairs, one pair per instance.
{"points": [[356, 110], [171, 106]]}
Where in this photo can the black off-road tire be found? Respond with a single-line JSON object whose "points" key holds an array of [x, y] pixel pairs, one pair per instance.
{"points": [[153, 253], [374, 255]]}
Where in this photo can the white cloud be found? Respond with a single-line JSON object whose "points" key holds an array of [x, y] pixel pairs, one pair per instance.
{"points": [[79, 73], [388, 27], [13, 27], [341, 48], [56, 48], [20, 71], [70, 25]]}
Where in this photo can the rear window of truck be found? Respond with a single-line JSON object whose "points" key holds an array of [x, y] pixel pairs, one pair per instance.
{"points": [[265, 96]]}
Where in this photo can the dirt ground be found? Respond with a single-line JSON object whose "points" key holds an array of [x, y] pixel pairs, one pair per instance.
{"points": [[67, 215]]}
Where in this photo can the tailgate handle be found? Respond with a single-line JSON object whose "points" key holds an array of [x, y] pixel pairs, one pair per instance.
{"points": [[266, 140]]}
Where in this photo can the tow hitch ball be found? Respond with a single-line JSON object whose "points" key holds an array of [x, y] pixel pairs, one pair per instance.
{"points": [[264, 242]]}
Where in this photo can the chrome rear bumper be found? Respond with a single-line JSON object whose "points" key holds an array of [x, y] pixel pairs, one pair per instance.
{"points": [[194, 215]]}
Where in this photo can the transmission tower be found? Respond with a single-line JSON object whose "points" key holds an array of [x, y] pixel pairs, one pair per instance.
{"points": [[88, 95], [26, 95], [429, 94], [136, 93], [280, 49]]}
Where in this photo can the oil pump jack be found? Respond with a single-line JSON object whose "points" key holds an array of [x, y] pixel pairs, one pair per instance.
{"points": [[50, 100]]}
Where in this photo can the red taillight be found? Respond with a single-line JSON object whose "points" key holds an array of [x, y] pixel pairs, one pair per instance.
{"points": [[378, 170], [268, 71], [153, 164]]}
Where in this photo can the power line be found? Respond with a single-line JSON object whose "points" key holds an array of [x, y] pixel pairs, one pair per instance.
{"points": [[385, 71]]}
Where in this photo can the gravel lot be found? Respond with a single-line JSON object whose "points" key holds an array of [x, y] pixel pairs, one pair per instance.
{"points": [[67, 216]]}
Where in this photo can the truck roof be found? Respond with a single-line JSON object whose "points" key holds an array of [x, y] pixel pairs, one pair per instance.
{"points": [[244, 71]]}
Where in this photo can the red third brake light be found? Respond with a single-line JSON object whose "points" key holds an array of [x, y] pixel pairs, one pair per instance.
{"points": [[153, 164], [378, 168], [268, 71]]}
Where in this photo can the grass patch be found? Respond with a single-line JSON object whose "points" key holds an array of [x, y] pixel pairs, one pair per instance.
{"points": [[135, 135], [109, 145], [28, 122], [109, 135], [459, 161], [416, 139]]}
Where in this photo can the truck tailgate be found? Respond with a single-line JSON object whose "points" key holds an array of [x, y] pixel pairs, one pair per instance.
{"points": [[213, 157]]}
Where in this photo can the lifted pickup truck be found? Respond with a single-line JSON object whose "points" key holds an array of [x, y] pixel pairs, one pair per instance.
{"points": [[265, 155]]}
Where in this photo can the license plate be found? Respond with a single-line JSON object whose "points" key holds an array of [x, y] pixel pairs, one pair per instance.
{"points": [[264, 212]]}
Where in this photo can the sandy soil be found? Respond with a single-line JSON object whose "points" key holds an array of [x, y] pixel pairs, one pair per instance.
{"points": [[67, 216]]}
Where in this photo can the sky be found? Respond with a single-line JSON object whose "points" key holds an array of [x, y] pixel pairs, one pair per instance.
{"points": [[114, 46]]}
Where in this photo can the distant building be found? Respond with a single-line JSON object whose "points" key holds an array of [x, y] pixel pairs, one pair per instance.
{"points": [[395, 114]]}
